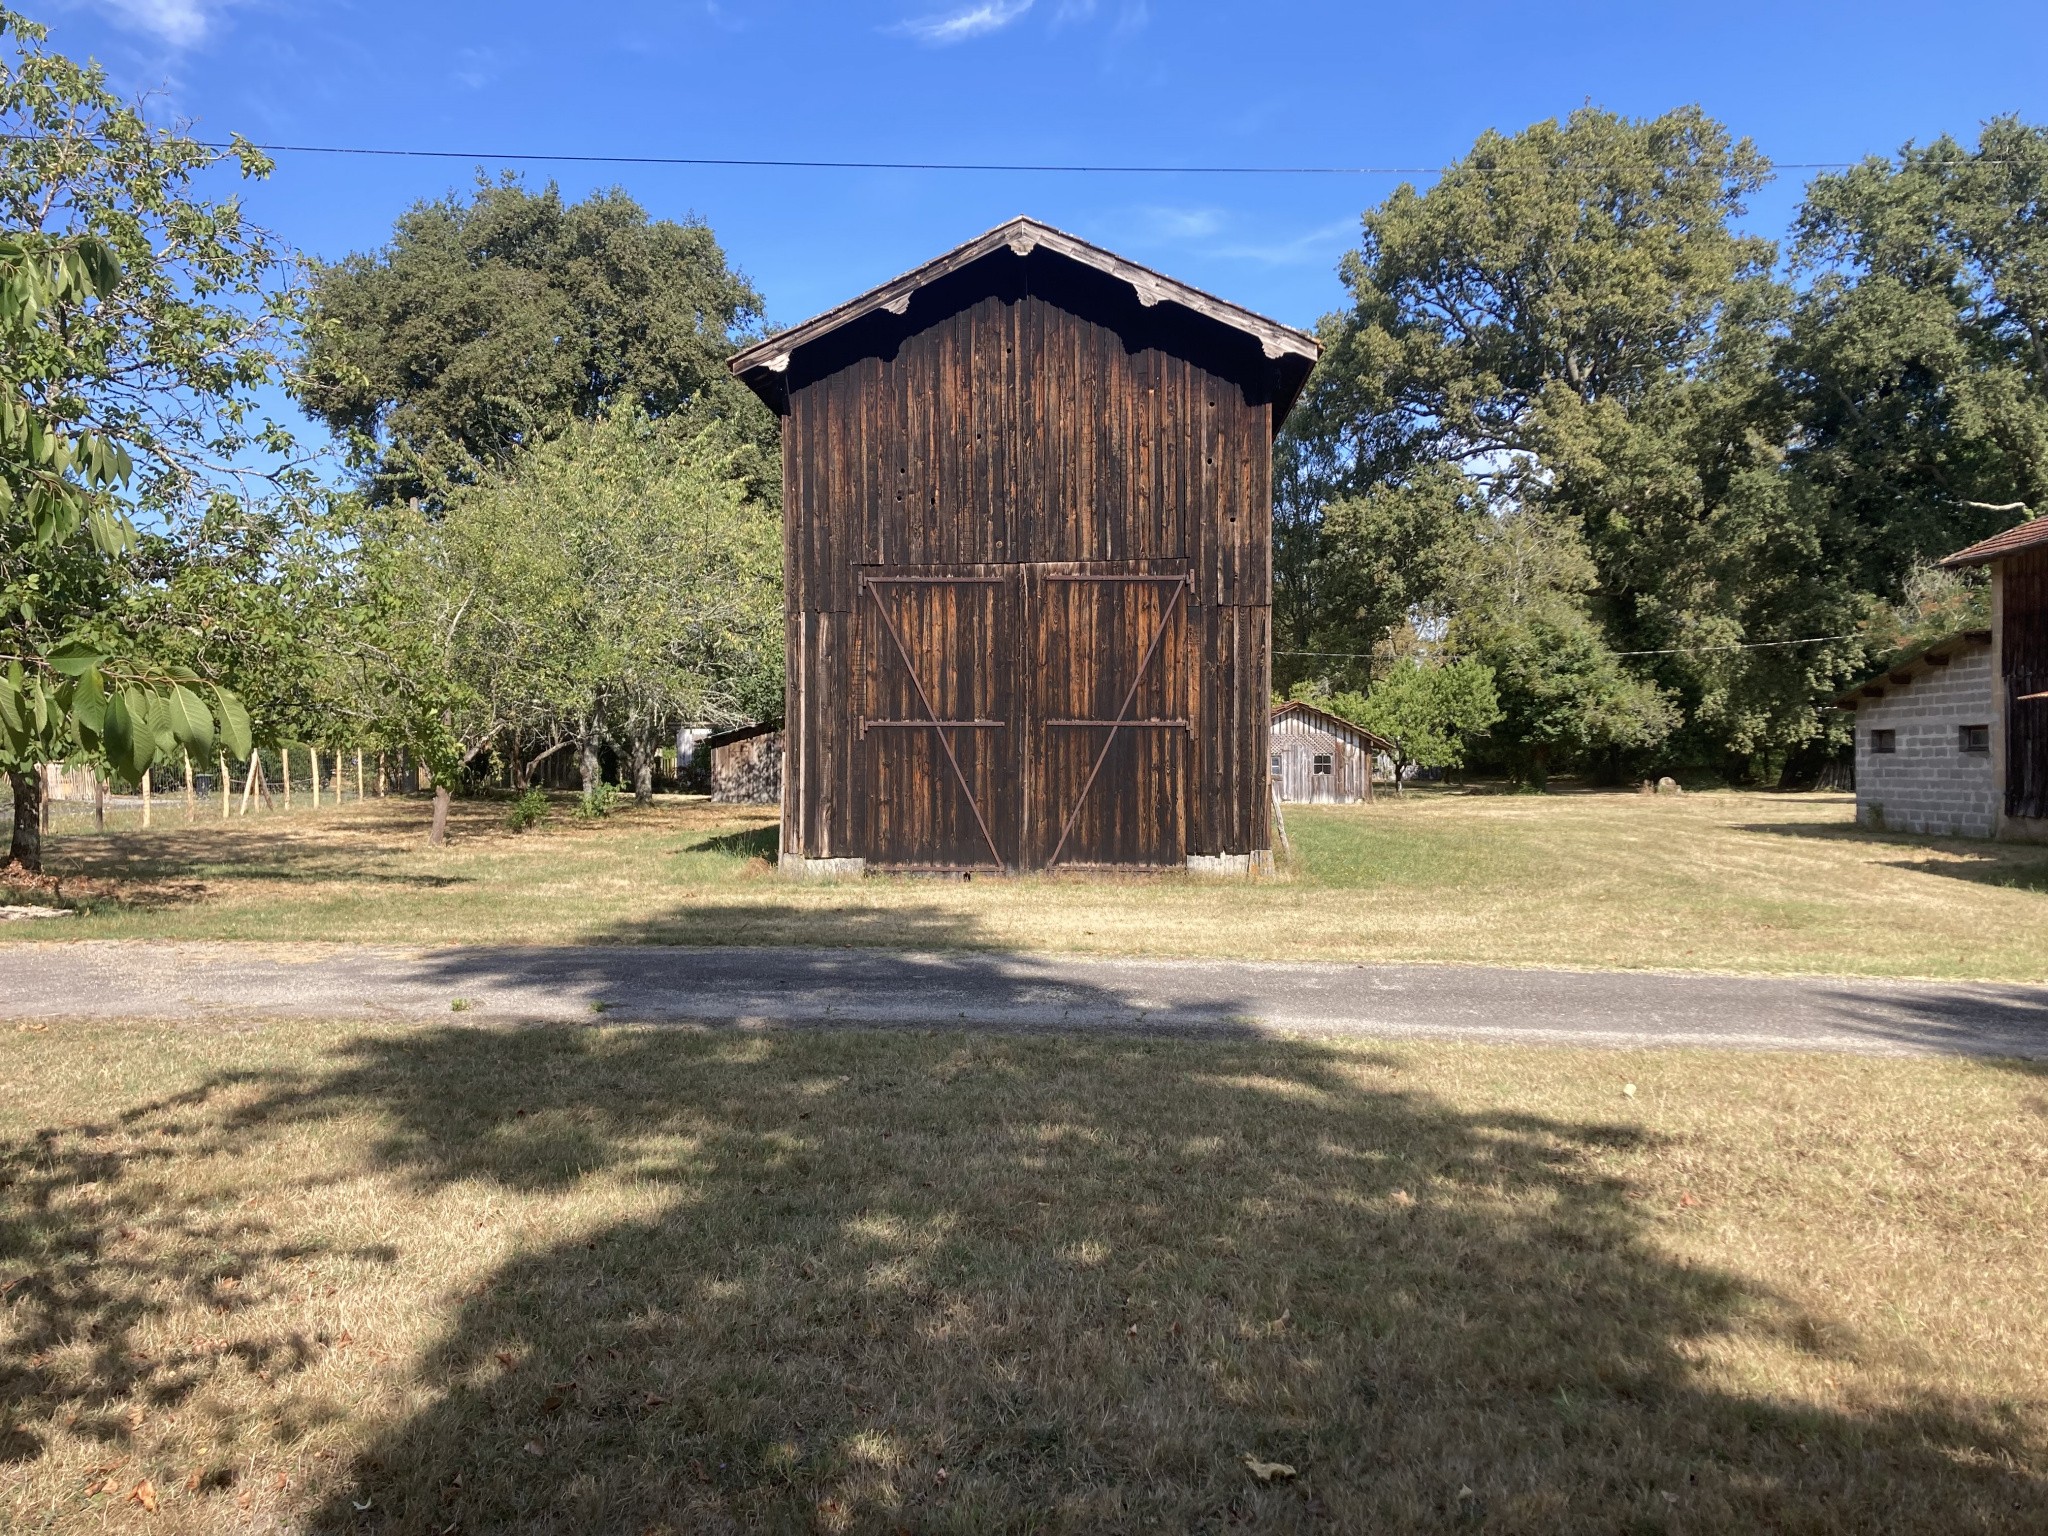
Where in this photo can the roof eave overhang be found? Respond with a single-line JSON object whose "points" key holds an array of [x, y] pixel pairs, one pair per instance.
{"points": [[764, 366], [1873, 686]]}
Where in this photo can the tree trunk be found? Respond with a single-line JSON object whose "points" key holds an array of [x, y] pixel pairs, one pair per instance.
{"points": [[26, 851], [1539, 766], [439, 834], [593, 770], [643, 770]]}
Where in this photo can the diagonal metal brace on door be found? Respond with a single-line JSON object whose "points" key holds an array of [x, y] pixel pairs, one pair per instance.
{"points": [[1183, 584], [931, 719]]}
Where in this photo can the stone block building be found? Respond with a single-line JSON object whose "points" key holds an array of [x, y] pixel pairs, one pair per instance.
{"points": [[1923, 741], [1954, 738]]}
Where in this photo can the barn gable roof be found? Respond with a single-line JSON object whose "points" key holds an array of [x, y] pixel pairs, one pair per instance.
{"points": [[1336, 725], [2028, 535], [761, 365]]}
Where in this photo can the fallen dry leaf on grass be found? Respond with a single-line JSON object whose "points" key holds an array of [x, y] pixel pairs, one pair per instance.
{"points": [[533, 1448], [143, 1493], [1267, 1471]]}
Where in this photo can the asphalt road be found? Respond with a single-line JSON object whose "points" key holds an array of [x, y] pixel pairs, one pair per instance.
{"points": [[824, 987]]}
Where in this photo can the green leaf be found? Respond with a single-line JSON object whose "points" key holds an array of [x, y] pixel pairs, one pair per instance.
{"points": [[11, 702], [89, 702], [234, 724], [130, 744], [74, 658], [190, 724]]}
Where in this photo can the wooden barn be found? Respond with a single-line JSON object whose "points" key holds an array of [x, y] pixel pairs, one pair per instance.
{"points": [[1028, 529], [746, 765], [1318, 758]]}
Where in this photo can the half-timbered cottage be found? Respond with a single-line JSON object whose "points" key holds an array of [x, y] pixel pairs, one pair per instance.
{"points": [[1027, 527]]}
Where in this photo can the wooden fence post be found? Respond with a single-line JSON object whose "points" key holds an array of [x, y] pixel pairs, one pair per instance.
{"points": [[99, 802], [145, 798], [227, 780], [189, 812], [383, 784], [248, 784], [359, 775], [314, 754]]}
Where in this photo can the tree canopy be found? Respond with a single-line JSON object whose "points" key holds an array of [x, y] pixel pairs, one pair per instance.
{"points": [[1727, 468], [490, 322]]}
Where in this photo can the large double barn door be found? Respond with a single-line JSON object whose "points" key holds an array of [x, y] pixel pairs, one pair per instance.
{"points": [[1110, 717], [1023, 716]]}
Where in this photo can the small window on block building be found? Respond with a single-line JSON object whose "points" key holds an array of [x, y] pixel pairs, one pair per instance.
{"points": [[1884, 741], [1323, 763], [1273, 766], [1973, 738]]}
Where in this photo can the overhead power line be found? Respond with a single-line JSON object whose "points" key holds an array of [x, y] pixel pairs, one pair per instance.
{"points": [[1668, 650], [980, 167]]}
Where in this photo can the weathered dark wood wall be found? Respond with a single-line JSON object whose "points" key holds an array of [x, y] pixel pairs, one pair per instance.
{"points": [[1001, 498], [2023, 663], [1297, 741]]}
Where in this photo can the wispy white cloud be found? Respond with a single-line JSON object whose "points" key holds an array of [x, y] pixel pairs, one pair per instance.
{"points": [[1157, 222], [1131, 15], [181, 23], [477, 68], [1325, 243], [958, 26]]}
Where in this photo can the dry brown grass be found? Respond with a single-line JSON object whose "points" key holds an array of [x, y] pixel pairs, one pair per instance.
{"points": [[627, 1279], [1716, 881]]}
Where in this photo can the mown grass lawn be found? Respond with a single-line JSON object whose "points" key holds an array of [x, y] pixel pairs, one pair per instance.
{"points": [[1757, 882], [619, 1279]]}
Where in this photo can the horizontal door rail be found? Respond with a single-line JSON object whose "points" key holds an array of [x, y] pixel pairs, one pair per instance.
{"points": [[1179, 578], [931, 716], [1177, 725], [933, 581], [926, 725]]}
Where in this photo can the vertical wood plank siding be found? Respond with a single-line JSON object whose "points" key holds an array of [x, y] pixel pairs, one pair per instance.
{"points": [[1297, 740], [948, 472], [2024, 663]]}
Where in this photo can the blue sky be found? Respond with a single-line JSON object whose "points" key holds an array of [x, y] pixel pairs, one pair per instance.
{"points": [[1133, 81]]}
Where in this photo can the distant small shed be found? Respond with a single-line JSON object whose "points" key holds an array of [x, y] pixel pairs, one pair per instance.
{"points": [[746, 765], [1317, 758], [1924, 728]]}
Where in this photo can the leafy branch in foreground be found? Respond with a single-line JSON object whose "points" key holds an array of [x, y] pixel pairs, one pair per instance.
{"points": [[134, 322]]}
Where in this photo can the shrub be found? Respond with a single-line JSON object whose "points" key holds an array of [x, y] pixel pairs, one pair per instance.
{"points": [[529, 810], [597, 801]]}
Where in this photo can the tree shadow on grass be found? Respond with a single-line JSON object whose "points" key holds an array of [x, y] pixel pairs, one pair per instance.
{"points": [[749, 843], [937, 1281], [2014, 866]]}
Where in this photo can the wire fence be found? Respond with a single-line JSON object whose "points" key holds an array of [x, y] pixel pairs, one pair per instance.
{"points": [[273, 782]]}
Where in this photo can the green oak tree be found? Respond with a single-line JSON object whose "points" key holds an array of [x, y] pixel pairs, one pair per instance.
{"points": [[489, 322], [1428, 708]]}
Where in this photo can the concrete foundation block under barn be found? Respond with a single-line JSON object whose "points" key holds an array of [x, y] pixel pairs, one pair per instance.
{"points": [[1028, 565]]}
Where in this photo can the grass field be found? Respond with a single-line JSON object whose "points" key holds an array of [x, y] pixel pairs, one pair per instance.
{"points": [[626, 1279], [1757, 882]]}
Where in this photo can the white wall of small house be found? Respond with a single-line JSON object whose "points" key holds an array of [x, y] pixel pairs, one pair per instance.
{"points": [[1929, 784], [1295, 743]]}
